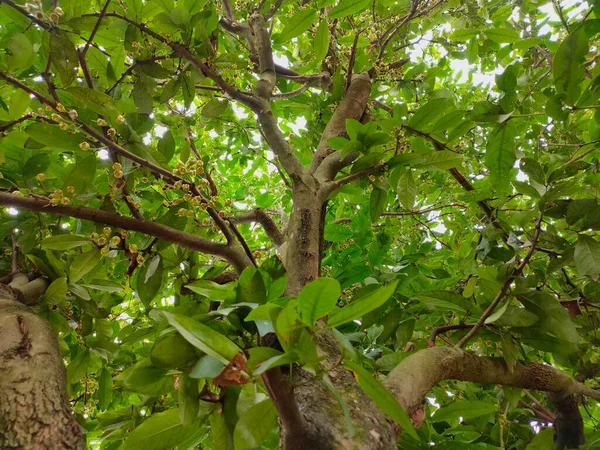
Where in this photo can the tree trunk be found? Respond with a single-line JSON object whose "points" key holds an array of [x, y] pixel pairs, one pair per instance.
{"points": [[35, 413], [322, 424]]}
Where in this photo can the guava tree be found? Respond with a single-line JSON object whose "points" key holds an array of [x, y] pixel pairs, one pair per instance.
{"points": [[307, 225]]}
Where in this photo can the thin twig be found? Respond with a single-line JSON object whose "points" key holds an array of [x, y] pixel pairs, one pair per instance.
{"points": [[505, 287]]}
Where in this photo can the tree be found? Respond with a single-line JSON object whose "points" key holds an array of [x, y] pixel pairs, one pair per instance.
{"points": [[325, 225]]}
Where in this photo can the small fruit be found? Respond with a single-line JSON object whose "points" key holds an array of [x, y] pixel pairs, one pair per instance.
{"points": [[41, 177], [111, 132], [84, 146], [133, 248]]}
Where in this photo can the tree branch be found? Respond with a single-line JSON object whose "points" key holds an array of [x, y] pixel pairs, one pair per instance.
{"points": [[258, 215], [351, 107], [416, 375], [187, 240]]}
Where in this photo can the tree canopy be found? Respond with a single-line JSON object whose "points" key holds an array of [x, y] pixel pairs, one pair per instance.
{"points": [[225, 195]]}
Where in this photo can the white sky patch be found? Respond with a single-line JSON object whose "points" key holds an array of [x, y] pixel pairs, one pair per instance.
{"points": [[103, 154], [12, 211], [159, 131]]}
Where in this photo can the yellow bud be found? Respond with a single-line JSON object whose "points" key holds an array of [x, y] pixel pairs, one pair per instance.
{"points": [[102, 241], [117, 166], [73, 114], [140, 259], [137, 205], [120, 119], [101, 122], [63, 126], [118, 174], [70, 189], [133, 248], [111, 132], [60, 107], [65, 200], [84, 146], [41, 177], [115, 240]]}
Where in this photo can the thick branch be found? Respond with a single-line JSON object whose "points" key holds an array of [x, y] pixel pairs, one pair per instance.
{"points": [[351, 107], [258, 215], [231, 254], [416, 375]]}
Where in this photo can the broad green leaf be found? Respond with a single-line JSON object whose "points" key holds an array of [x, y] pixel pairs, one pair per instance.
{"points": [[443, 300], [35, 165], [427, 113], [379, 201], [255, 425], [53, 137], [203, 337], [533, 169], [348, 8], [467, 409], [65, 241], [144, 378], [149, 280], [363, 305], [82, 176], [92, 99], [500, 154], [407, 189], [63, 55], [275, 361], [464, 34], [57, 291], [382, 397], [298, 24], [442, 160], [83, 264], [568, 65], [105, 389], [215, 292], [251, 287], [79, 366], [317, 299], [503, 35], [161, 431], [321, 41], [21, 53], [187, 398], [587, 256], [214, 108], [172, 351]]}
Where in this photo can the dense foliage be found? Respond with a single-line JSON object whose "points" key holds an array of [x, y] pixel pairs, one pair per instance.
{"points": [[476, 185]]}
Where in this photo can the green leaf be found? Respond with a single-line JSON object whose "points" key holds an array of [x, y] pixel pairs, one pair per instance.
{"points": [[467, 409], [214, 108], [317, 299], [275, 361], [215, 292], [83, 264], [105, 389], [79, 365], [542, 441], [441, 160], [407, 189], [56, 292], [92, 99], [363, 305], [568, 65], [82, 176], [22, 54], [348, 8], [297, 24], [251, 287], [533, 169], [382, 397], [187, 398], [255, 425], [427, 113], [52, 136], [36, 164], [321, 41], [500, 154], [172, 351], [161, 431], [587, 256], [149, 280], [503, 35], [379, 201], [204, 338], [144, 378], [464, 34], [443, 301], [64, 56]]}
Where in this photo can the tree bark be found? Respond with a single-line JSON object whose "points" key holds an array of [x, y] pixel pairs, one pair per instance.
{"points": [[35, 413]]}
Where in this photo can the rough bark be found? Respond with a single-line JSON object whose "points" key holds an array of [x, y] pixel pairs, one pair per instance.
{"points": [[35, 413], [414, 377]]}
